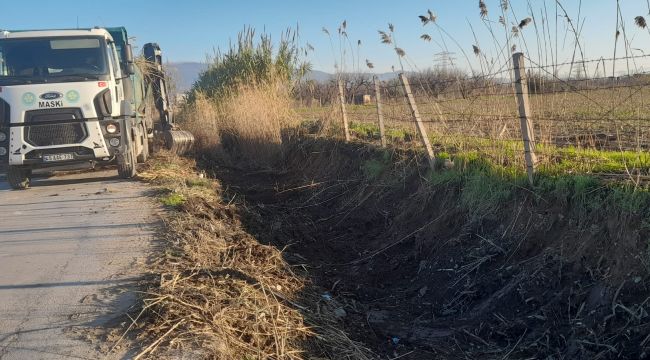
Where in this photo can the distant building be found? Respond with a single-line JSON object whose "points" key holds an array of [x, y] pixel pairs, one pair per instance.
{"points": [[363, 99]]}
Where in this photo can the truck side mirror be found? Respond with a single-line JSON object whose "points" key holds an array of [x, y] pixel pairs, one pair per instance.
{"points": [[130, 65], [130, 68], [129, 54]]}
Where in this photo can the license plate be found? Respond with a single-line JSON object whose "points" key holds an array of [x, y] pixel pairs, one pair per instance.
{"points": [[58, 157]]}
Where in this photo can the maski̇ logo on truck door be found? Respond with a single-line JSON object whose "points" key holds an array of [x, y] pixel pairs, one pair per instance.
{"points": [[51, 100]]}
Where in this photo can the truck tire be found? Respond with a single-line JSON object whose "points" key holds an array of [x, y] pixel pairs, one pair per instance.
{"points": [[126, 164], [18, 178], [144, 155]]}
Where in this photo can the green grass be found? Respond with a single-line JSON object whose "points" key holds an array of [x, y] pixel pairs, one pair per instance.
{"points": [[173, 199], [572, 159], [364, 130], [486, 187], [198, 182], [374, 168], [553, 160]]}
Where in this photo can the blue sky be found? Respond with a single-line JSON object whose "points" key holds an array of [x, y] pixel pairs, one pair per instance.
{"points": [[189, 29]]}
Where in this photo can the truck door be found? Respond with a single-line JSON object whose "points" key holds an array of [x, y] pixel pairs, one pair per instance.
{"points": [[117, 90]]}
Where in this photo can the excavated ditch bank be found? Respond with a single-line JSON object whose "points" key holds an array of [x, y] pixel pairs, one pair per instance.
{"points": [[458, 265]]}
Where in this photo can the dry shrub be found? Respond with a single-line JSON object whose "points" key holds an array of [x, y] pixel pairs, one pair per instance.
{"points": [[249, 124]]}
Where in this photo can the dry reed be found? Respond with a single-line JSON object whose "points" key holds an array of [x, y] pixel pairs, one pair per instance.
{"points": [[248, 125]]}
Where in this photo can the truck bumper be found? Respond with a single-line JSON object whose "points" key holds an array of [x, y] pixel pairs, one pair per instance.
{"points": [[99, 146]]}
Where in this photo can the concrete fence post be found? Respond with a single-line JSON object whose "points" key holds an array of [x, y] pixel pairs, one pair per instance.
{"points": [[380, 114], [418, 121], [527, 131], [344, 113]]}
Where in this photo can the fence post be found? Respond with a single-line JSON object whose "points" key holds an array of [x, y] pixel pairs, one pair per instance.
{"points": [[344, 113], [527, 133], [418, 120], [380, 114]]}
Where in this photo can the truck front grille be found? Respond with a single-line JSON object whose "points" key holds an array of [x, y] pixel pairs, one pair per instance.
{"points": [[55, 127], [55, 134]]}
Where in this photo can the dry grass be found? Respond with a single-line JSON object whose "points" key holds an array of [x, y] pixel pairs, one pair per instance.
{"points": [[223, 295], [201, 118]]}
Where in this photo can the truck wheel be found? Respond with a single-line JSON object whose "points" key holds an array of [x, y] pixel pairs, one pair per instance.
{"points": [[18, 178], [142, 158], [126, 165]]}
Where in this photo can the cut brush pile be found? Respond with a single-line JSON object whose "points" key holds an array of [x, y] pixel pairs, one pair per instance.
{"points": [[220, 293]]}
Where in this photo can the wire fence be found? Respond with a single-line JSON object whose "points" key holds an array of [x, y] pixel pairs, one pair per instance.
{"points": [[598, 125]]}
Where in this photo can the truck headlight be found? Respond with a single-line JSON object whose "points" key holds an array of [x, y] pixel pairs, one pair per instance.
{"points": [[3, 136], [111, 128], [3, 151], [115, 142]]}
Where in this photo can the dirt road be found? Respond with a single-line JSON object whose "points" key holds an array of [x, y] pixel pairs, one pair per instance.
{"points": [[71, 250]]}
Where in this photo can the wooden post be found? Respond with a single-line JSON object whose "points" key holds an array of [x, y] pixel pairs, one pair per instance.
{"points": [[344, 113], [380, 114], [418, 121], [527, 133]]}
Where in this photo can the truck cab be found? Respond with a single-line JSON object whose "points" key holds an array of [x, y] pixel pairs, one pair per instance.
{"points": [[69, 97]]}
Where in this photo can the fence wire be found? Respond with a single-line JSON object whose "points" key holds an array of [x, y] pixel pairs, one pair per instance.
{"points": [[601, 122]]}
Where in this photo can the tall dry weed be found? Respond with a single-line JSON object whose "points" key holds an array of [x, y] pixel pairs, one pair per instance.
{"points": [[242, 105], [249, 125], [200, 118]]}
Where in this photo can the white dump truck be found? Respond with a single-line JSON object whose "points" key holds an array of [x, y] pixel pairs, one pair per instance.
{"points": [[79, 97]]}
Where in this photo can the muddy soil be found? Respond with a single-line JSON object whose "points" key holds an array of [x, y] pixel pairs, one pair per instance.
{"points": [[423, 276]]}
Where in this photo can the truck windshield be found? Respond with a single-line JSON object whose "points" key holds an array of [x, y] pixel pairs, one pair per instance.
{"points": [[27, 61]]}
